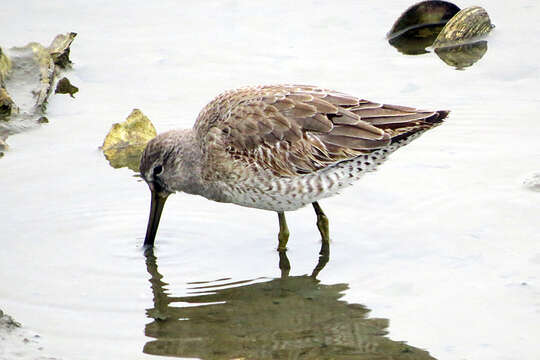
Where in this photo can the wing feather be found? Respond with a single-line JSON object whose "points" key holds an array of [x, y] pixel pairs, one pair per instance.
{"points": [[289, 130]]}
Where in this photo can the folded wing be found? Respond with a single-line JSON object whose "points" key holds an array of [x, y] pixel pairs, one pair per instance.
{"points": [[295, 129]]}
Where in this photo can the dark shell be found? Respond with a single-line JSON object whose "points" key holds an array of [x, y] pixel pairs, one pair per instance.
{"points": [[423, 14], [419, 26], [465, 26], [462, 56]]}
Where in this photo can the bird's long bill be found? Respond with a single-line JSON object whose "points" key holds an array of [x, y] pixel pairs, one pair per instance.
{"points": [[156, 207]]}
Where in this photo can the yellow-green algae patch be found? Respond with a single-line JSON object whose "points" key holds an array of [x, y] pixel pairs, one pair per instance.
{"points": [[125, 142]]}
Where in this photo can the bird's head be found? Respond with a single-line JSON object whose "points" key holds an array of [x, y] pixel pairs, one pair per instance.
{"points": [[156, 167], [157, 164], [168, 164]]}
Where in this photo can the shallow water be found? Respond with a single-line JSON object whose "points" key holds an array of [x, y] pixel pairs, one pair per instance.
{"points": [[442, 241]]}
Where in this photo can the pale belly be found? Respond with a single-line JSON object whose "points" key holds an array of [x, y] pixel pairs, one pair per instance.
{"points": [[287, 194]]}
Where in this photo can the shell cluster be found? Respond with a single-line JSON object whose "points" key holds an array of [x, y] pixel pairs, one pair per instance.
{"points": [[456, 36]]}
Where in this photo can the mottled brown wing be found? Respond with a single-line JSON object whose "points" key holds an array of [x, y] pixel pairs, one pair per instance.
{"points": [[296, 129]]}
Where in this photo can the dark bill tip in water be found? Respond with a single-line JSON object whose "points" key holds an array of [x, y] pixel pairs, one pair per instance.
{"points": [[156, 207]]}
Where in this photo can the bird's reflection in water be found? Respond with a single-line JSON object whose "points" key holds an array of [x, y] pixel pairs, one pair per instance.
{"points": [[291, 317]]}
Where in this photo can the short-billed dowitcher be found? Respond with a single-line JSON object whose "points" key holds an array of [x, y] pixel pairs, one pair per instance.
{"points": [[277, 148]]}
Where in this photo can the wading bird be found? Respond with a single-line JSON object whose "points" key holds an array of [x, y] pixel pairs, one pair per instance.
{"points": [[277, 148]]}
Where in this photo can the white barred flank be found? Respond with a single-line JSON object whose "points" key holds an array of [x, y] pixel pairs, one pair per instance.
{"points": [[287, 194]]}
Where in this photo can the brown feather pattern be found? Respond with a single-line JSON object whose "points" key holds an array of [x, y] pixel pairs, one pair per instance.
{"points": [[289, 130]]}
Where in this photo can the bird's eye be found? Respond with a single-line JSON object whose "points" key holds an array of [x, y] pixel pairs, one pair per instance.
{"points": [[158, 170]]}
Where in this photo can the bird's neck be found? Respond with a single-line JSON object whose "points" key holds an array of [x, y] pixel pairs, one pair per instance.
{"points": [[191, 161], [189, 179]]}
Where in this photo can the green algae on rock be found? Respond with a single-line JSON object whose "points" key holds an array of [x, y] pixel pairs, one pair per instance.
{"points": [[125, 142], [466, 26], [64, 86]]}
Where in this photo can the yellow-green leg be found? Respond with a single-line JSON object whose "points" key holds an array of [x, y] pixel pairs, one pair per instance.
{"points": [[322, 223], [283, 235]]}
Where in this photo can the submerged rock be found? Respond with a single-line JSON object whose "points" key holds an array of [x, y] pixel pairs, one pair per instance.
{"points": [[65, 87], [125, 142], [466, 26], [419, 26]]}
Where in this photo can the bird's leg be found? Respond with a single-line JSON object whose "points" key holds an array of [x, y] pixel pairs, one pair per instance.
{"points": [[322, 223], [283, 235]]}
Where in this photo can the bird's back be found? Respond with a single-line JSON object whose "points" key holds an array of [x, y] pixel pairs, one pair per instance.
{"points": [[304, 141]]}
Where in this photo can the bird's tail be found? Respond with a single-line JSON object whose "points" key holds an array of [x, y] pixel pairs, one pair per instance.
{"points": [[401, 131]]}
